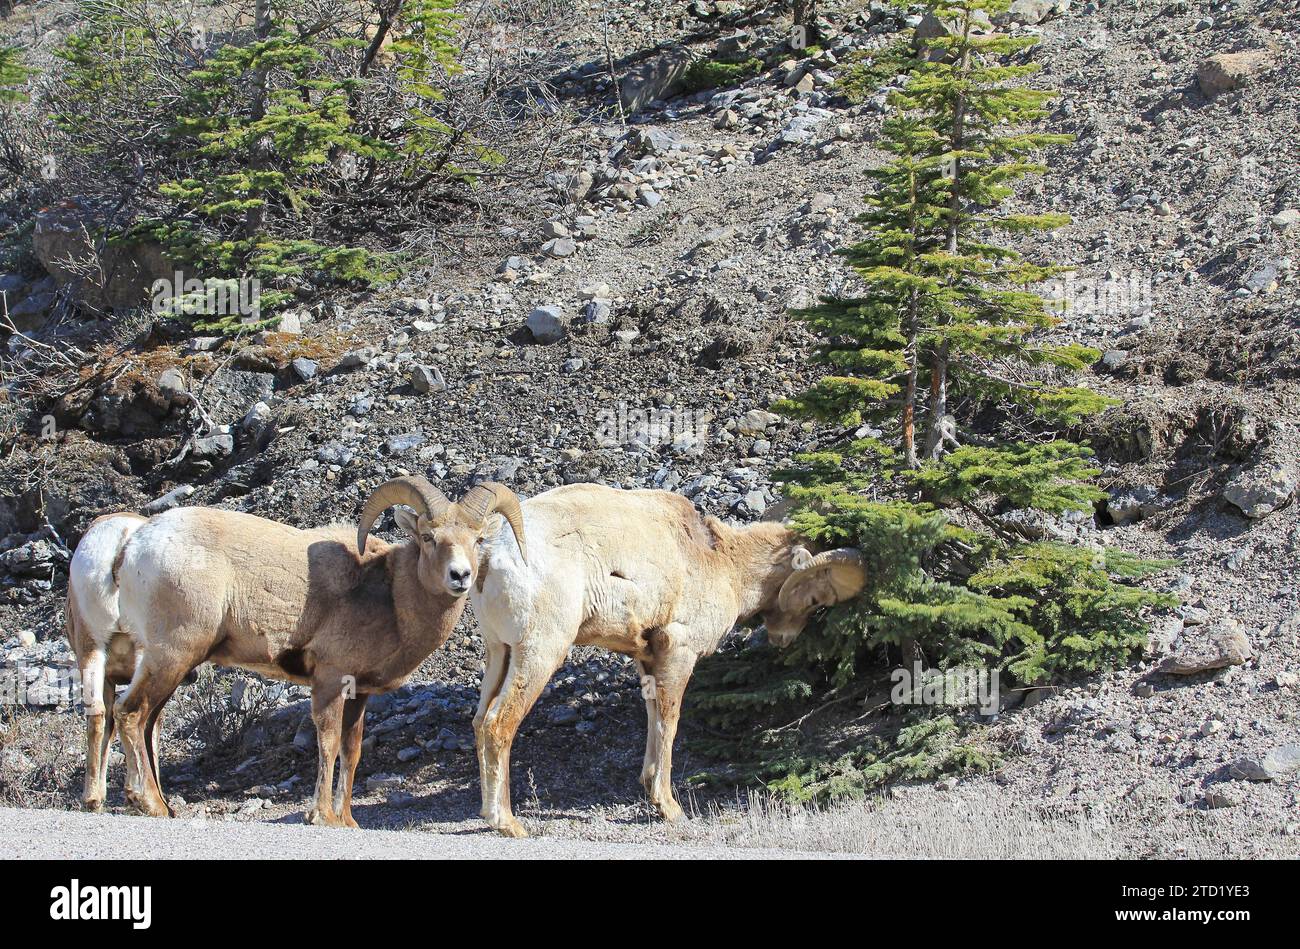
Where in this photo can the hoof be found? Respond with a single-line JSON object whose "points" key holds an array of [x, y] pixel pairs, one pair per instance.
{"points": [[511, 828], [93, 807], [148, 808], [320, 819], [672, 813]]}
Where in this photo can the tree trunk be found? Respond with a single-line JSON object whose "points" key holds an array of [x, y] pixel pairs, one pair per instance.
{"points": [[940, 360], [254, 217], [804, 14], [911, 353]]}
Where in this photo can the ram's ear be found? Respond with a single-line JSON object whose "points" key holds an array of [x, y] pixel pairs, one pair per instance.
{"points": [[407, 520]]}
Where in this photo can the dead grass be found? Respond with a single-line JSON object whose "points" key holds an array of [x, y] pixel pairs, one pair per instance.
{"points": [[41, 758], [944, 828]]}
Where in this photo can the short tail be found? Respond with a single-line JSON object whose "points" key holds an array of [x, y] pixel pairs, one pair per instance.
{"points": [[91, 617]]}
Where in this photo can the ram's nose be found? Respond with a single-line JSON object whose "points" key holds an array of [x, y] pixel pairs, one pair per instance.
{"points": [[457, 580]]}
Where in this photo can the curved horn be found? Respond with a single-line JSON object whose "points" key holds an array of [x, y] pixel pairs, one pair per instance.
{"points": [[848, 556], [416, 492], [489, 497], [847, 569]]}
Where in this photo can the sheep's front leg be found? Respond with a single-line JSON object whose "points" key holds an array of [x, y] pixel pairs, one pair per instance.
{"points": [[531, 666], [327, 713], [494, 672], [671, 667], [354, 725]]}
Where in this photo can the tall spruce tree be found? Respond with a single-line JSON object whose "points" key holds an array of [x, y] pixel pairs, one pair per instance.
{"points": [[947, 323]]}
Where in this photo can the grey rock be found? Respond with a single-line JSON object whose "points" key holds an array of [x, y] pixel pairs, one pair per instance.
{"points": [[172, 383], [548, 324], [383, 782], [204, 344], [427, 379], [1222, 795], [931, 27], [1132, 504], [751, 505], [1259, 491], [655, 141], [657, 78], [397, 444], [1114, 358], [1223, 644], [357, 358], [33, 559], [212, 447], [1032, 12], [596, 312], [1275, 765], [334, 453], [560, 247], [304, 739], [564, 715], [304, 368]]}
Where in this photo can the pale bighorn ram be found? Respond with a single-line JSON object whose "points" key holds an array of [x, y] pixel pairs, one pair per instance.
{"points": [[105, 657], [643, 574], [201, 584]]}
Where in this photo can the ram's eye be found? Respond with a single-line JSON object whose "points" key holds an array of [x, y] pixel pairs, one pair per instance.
{"points": [[478, 541], [427, 538]]}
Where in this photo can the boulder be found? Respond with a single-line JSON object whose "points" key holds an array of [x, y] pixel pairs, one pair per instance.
{"points": [[1226, 72], [932, 27], [659, 78], [120, 277], [548, 324], [1259, 491], [1032, 12], [1277, 764], [1224, 644]]}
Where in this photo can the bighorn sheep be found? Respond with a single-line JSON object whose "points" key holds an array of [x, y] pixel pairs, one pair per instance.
{"points": [[200, 584], [105, 658], [643, 574]]}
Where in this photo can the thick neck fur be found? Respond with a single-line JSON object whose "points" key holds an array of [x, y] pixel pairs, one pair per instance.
{"points": [[424, 619], [760, 555]]}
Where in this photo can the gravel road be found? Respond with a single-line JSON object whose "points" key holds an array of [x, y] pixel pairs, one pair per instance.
{"points": [[49, 834]]}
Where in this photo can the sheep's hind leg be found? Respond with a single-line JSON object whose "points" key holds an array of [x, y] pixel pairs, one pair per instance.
{"points": [[98, 715], [652, 726], [327, 713], [354, 724], [154, 737], [671, 667], [137, 714], [531, 667]]}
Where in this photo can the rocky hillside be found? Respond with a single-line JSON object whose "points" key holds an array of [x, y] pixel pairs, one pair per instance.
{"points": [[628, 324]]}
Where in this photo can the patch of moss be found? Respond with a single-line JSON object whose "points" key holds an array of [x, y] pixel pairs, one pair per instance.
{"points": [[719, 74]]}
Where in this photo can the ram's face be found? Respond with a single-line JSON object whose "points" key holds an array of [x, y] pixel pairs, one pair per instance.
{"points": [[814, 583], [812, 592], [449, 552]]}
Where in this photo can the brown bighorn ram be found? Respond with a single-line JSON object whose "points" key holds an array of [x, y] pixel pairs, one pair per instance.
{"points": [[201, 584], [643, 574]]}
